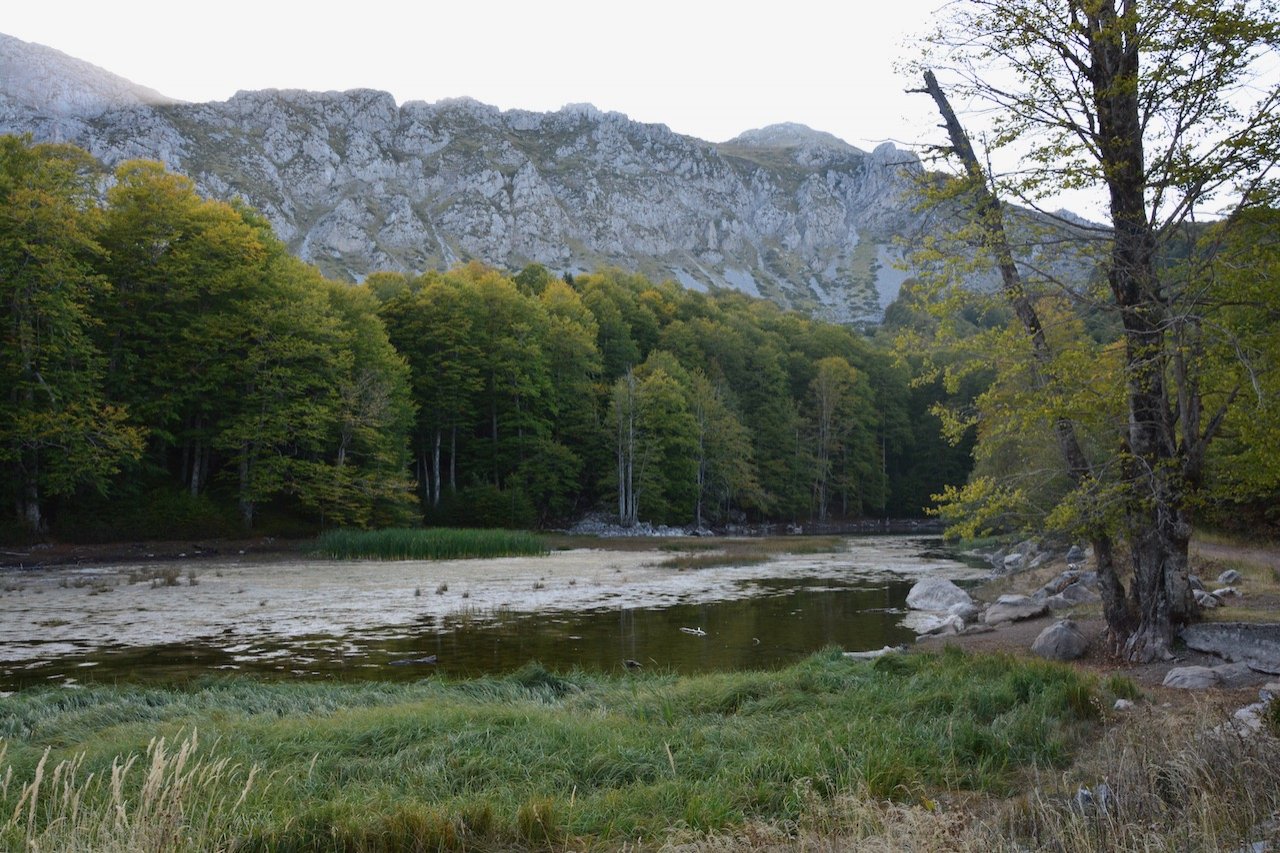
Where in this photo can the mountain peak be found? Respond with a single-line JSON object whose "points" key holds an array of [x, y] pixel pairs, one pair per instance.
{"points": [[791, 135], [49, 82]]}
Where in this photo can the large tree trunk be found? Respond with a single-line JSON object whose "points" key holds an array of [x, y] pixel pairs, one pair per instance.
{"points": [[1158, 531]]}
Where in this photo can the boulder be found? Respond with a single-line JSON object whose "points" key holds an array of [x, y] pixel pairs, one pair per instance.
{"points": [[947, 626], [1192, 678], [1076, 593], [1254, 643], [1236, 674], [1013, 608], [1075, 555], [1195, 583], [1229, 577], [968, 611], [1013, 562], [923, 623], [936, 594], [1205, 599], [1060, 641], [1123, 705], [1226, 592]]}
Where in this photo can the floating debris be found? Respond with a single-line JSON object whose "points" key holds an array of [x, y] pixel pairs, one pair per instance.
{"points": [[696, 632], [429, 660]]}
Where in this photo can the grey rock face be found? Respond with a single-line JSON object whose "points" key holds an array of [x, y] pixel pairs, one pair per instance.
{"points": [[1060, 641], [1014, 608], [1229, 577], [56, 85], [355, 183], [938, 594], [1254, 643]]}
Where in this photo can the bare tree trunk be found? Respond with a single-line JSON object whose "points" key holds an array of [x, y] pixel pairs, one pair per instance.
{"points": [[32, 518], [197, 464], [453, 459], [246, 472], [435, 467]]}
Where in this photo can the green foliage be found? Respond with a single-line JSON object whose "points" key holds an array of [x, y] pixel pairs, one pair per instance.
{"points": [[58, 430], [437, 543], [196, 357]]}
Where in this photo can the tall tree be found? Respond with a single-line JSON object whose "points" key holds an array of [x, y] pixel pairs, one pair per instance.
{"points": [[433, 328], [57, 432], [1161, 107]]}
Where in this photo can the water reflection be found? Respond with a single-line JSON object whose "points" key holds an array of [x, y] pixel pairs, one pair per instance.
{"points": [[782, 620]]}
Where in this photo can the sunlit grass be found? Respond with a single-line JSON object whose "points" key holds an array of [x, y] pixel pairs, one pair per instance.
{"points": [[436, 543]]}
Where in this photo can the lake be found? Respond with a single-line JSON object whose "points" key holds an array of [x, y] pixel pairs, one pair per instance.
{"points": [[587, 608]]}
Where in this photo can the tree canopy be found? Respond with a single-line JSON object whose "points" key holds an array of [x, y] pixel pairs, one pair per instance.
{"points": [[1168, 110]]}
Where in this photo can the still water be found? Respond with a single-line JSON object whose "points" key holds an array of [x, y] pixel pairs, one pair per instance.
{"points": [[715, 619]]}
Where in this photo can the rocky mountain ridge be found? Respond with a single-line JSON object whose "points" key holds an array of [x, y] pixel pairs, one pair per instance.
{"points": [[354, 182]]}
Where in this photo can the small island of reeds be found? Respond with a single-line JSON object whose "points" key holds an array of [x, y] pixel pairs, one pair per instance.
{"points": [[435, 543]]}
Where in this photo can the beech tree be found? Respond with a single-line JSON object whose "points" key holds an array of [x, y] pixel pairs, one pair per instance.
{"points": [[57, 431], [1166, 109]]}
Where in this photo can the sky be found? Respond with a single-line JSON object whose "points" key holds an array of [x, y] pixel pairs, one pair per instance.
{"points": [[705, 68]]}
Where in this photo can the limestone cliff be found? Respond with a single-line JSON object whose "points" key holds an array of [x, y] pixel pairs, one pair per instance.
{"points": [[355, 183]]}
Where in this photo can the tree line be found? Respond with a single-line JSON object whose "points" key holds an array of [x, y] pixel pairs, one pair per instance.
{"points": [[168, 368]]}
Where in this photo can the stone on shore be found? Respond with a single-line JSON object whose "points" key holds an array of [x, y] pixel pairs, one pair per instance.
{"points": [[1061, 641], [938, 594], [1014, 608], [1192, 678]]}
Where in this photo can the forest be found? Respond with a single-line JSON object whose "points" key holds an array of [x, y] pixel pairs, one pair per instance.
{"points": [[170, 369]]}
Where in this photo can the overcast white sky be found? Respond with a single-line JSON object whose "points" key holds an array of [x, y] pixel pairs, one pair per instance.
{"points": [[707, 68]]}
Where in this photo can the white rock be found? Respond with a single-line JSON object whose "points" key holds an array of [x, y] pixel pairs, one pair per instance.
{"points": [[1123, 705], [937, 594]]}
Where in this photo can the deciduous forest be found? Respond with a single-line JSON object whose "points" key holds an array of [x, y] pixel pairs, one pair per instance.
{"points": [[171, 370]]}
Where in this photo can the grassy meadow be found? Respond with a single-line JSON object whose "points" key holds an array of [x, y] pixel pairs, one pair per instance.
{"points": [[532, 759]]}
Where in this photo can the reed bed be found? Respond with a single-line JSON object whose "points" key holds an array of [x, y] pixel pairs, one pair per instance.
{"points": [[436, 543]]}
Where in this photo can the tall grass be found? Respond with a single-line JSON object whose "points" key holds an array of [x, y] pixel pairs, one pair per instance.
{"points": [[540, 759], [437, 543], [172, 801]]}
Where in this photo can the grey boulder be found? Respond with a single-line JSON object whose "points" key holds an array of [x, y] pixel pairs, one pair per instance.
{"points": [[1076, 593], [1013, 608], [1060, 641], [1192, 678]]}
